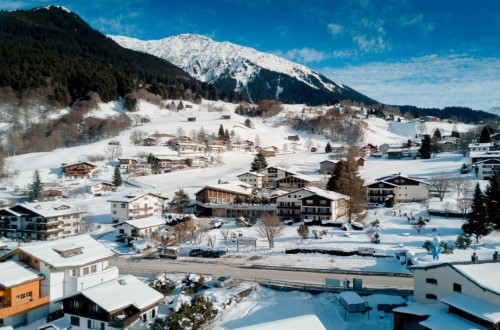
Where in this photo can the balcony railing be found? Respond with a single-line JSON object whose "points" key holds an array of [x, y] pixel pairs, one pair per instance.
{"points": [[123, 323], [33, 303]]}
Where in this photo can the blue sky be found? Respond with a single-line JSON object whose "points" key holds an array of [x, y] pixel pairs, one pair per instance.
{"points": [[422, 52]]}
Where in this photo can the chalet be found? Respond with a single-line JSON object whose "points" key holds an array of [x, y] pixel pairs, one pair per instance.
{"points": [[463, 295], [431, 119], [130, 229], [368, 149], [447, 146], [323, 205], [402, 188], [293, 138], [162, 138], [122, 303], [339, 150], [125, 162], [167, 164], [360, 161], [327, 166], [136, 206], [67, 265], [216, 148], [395, 153], [383, 148], [78, 170], [314, 149], [274, 173], [225, 117], [21, 298], [52, 194], [296, 181], [40, 221], [190, 148], [482, 156], [101, 187], [253, 178], [486, 169], [148, 142], [223, 193], [199, 161], [268, 152]]}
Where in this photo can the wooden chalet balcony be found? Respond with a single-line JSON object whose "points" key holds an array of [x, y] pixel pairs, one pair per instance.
{"points": [[13, 310], [123, 323]]}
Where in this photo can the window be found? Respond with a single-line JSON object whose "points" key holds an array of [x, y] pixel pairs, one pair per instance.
{"points": [[93, 268], [23, 296], [75, 320], [309, 201], [123, 205], [153, 313], [75, 304], [431, 281], [144, 317], [457, 287], [85, 270], [122, 231], [72, 272], [322, 202], [114, 212], [431, 296], [103, 326]]}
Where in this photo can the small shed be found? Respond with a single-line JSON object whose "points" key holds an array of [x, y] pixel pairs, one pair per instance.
{"points": [[192, 119], [225, 117], [353, 303]]}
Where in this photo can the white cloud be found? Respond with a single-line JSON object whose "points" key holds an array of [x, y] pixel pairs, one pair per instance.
{"points": [[12, 5], [306, 55], [371, 44], [427, 81], [335, 29], [115, 26]]}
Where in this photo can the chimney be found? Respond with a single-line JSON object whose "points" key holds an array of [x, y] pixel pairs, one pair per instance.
{"points": [[474, 257], [496, 256]]}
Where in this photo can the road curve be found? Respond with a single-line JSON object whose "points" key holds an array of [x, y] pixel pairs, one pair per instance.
{"points": [[219, 269]]}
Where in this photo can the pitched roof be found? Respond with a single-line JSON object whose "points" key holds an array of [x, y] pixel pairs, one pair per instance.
{"points": [[331, 195], [13, 273], [131, 198], [236, 188], [76, 163], [476, 307], [251, 173], [146, 222], [122, 292], [48, 209], [46, 251]]}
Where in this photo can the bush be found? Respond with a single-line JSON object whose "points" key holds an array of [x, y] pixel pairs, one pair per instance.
{"points": [[303, 231], [193, 316], [193, 287], [389, 203], [447, 248], [163, 287], [463, 241], [375, 238]]}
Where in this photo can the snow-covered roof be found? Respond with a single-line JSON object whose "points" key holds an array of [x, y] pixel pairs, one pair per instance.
{"points": [[251, 173], [439, 317], [122, 292], [13, 273], [332, 195], [484, 274], [473, 306], [91, 251], [309, 322], [475, 145], [303, 177], [146, 222], [131, 198], [50, 209], [76, 163], [237, 188], [352, 298]]}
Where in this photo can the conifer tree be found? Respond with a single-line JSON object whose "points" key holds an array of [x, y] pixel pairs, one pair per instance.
{"points": [[426, 149], [259, 163], [492, 199], [117, 177], [348, 182], [180, 200], [36, 187], [477, 220], [328, 148], [485, 135], [437, 134], [221, 132]]}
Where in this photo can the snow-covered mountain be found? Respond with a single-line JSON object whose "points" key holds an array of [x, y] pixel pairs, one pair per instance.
{"points": [[243, 69]]}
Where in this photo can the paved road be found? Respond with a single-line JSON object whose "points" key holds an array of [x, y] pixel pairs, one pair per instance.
{"points": [[216, 269]]}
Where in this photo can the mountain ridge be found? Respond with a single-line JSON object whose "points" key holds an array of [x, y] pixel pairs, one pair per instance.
{"points": [[244, 69]]}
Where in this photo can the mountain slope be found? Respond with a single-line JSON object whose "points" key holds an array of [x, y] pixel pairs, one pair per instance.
{"points": [[53, 51], [243, 69]]}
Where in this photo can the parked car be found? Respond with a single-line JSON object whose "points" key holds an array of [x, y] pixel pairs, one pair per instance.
{"points": [[196, 253], [223, 281]]}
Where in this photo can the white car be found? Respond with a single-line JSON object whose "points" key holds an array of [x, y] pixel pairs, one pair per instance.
{"points": [[223, 281]]}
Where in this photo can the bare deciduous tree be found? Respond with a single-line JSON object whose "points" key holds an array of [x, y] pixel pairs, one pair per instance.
{"points": [[270, 227], [200, 236], [464, 205], [113, 151], [211, 239], [136, 136], [225, 237], [440, 182]]}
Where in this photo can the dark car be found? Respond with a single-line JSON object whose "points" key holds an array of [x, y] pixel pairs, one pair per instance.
{"points": [[196, 253]]}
